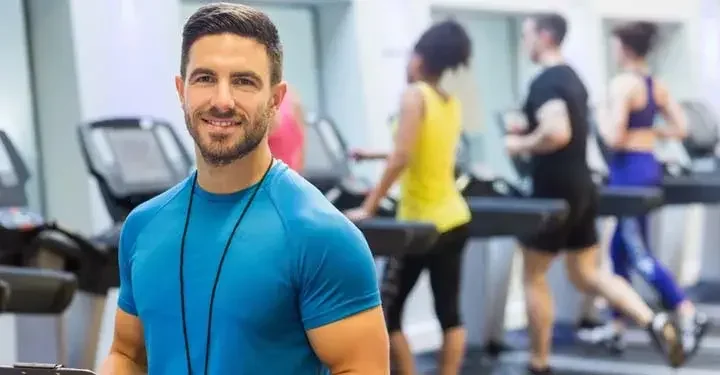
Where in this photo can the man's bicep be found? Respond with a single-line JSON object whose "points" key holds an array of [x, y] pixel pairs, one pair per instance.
{"points": [[126, 299], [554, 119], [337, 276], [357, 344], [129, 339]]}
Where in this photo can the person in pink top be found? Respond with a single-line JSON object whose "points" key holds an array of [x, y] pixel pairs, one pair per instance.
{"points": [[287, 137]]}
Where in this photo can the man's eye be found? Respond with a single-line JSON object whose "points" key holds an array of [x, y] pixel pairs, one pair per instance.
{"points": [[244, 81]]}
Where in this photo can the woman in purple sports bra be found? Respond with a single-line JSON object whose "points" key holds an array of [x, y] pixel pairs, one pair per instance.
{"points": [[635, 99]]}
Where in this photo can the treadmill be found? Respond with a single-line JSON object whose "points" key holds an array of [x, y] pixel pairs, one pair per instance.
{"points": [[29, 240], [42, 293], [132, 160], [700, 178], [385, 235]]}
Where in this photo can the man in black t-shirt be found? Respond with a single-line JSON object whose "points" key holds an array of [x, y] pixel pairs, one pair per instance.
{"points": [[555, 135]]}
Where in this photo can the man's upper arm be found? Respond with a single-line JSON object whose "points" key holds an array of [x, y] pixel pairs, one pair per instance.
{"points": [[129, 339], [126, 249], [552, 117], [340, 300]]}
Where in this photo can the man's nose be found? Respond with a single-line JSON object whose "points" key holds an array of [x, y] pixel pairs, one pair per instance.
{"points": [[223, 98]]}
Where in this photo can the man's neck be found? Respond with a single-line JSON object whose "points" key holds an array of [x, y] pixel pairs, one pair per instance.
{"points": [[236, 176], [551, 58]]}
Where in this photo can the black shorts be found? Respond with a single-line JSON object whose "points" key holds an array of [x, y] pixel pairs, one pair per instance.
{"points": [[575, 231]]}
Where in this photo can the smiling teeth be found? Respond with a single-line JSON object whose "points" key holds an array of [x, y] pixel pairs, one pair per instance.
{"points": [[221, 123]]}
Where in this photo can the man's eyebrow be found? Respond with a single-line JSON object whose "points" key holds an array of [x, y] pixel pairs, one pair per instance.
{"points": [[246, 74], [200, 71]]}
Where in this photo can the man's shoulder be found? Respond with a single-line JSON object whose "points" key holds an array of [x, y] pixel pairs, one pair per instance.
{"points": [[306, 212], [141, 215]]}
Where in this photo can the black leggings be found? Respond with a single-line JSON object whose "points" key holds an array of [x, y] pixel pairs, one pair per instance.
{"points": [[444, 261]]}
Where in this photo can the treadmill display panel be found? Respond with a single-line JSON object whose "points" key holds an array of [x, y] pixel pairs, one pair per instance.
{"points": [[139, 157]]}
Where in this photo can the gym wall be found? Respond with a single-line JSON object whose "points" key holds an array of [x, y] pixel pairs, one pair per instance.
{"points": [[347, 59]]}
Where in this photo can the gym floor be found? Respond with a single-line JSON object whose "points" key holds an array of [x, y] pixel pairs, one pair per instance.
{"points": [[572, 358], [640, 358]]}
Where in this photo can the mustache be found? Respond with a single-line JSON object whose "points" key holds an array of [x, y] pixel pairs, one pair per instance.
{"points": [[217, 113]]}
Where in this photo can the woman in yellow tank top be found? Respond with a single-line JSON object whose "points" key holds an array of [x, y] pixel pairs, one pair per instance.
{"points": [[423, 160]]}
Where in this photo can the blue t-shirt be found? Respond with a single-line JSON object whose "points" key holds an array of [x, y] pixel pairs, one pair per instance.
{"points": [[295, 263]]}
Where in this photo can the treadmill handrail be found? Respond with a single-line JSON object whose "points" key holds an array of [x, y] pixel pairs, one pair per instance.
{"points": [[518, 205], [38, 291], [632, 191]]}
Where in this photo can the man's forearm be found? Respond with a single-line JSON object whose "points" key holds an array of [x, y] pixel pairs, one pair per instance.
{"points": [[538, 143], [119, 364]]}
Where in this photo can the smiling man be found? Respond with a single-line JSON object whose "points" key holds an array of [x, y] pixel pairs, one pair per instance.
{"points": [[244, 267]]}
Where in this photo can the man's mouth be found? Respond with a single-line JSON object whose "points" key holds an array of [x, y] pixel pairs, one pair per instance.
{"points": [[220, 122]]}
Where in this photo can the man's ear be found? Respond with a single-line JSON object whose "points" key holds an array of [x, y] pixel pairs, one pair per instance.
{"points": [[180, 87], [278, 93]]}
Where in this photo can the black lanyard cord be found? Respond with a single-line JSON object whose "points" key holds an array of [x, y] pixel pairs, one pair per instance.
{"points": [[217, 273]]}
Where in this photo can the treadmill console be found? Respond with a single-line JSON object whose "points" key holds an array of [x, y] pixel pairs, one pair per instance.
{"points": [[19, 218], [133, 160]]}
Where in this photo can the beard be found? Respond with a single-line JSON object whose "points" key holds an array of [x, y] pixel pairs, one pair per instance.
{"points": [[215, 150]]}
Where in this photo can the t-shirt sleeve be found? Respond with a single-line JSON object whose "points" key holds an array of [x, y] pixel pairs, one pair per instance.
{"points": [[543, 94], [126, 249], [337, 274]]}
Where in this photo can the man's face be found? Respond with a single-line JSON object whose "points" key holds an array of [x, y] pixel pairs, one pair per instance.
{"points": [[531, 40], [227, 96]]}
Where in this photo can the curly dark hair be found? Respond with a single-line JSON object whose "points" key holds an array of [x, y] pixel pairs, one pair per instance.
{"points": [[445, 45]]}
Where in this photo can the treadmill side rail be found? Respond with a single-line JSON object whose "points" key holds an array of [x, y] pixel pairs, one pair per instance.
{"points": [[507, 216], [696, 188], [389, 237], [629, 201], [38, 291]]}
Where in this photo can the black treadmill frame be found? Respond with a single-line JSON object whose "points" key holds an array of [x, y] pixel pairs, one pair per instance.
{"points": [[14, 196], [121, 197]]}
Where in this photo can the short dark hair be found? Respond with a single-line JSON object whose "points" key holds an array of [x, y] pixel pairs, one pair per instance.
{"points": [[443, 46], [638, 37], [241, 20], [553, 23]]}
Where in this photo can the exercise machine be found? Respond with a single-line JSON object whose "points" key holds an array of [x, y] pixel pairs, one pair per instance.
{"points": [[493, 216], [686, 240], [41, 369], [42, 293], [132, 160], [29, 240]]}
